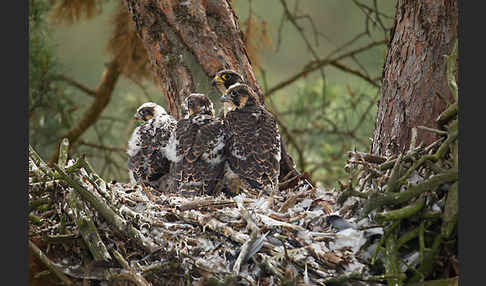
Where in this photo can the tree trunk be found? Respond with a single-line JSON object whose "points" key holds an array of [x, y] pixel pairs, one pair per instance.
{"points": [[414, 81], [188, 38]]}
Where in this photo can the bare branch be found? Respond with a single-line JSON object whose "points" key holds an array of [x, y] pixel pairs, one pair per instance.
{"points": [[101, 147], [314, 65], [85, 89], [47, 262], [347, 69], [104, 92]]}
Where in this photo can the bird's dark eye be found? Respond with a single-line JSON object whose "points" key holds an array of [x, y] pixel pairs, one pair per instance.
{"points": [[226, 76]]}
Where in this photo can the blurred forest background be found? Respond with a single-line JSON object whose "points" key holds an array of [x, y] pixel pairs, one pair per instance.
{"points": [[323, 112]]}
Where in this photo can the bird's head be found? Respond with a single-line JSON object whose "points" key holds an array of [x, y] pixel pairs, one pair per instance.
{"points": [[240, 95], [148, 111], [199, 103], [226, 78]]}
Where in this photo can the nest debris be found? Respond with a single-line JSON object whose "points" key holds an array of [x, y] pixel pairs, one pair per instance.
{"points": [[393, 222]]}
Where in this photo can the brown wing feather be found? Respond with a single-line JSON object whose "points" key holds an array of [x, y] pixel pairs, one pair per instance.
{"points": [[253, 145], [196, 142]]}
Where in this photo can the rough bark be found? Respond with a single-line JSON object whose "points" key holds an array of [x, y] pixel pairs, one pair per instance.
{"points": [[183, 36], [414, 81], [186, 38]]}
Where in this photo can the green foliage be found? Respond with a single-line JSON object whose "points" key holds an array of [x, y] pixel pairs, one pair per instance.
{"points": [[49, 102], [326, 123]]}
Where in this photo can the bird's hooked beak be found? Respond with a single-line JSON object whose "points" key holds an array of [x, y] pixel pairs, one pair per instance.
{"points": [[140, 119], [217, 81], [225, 98], [137, 117]]}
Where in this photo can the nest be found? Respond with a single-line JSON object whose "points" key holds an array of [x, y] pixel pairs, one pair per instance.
{"points": [[392, 222]]}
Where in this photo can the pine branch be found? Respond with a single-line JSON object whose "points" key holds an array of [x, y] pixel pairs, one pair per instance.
{"points": [[104, 91], [83, 88]]}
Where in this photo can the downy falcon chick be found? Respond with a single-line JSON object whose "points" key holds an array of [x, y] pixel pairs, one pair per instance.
{"points": [[147, 163], [252, 140], [196, 148]]}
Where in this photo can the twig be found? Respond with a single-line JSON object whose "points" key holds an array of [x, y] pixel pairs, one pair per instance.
{"points": [[357, 73], [250, 223], [47, 262], [376, 159], [35, 171], [429, 260], [393, 183], [86, 227], [407, 237], [392, 269], [214, 225], [130, 276], [408, 157], [95, 179], [243, 253], [35, 219], [378, 200], [314, 65], [293, 19], [413, 139], [348, 193], [108, 214], [290, 202], [442, 151], [285, 184], [85, 89], [40, 163], [432, 129], [121, 260], [63, 152], [37, 203], [402, 213], [102, 147], [449, 217], [62, 238], [201, 204], [447, 114]]}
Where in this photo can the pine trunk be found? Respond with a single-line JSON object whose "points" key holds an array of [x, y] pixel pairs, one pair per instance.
{"points": [[414, 81]]}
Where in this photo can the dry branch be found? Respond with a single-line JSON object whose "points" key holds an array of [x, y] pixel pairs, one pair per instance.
{"points": [[86, 227], [49, 264], [104, 91], [314, 65]]}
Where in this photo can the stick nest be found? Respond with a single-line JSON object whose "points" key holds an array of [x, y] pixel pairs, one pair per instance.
{"points": [[392, 222]]}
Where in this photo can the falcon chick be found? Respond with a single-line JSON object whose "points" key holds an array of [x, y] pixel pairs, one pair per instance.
{"points": [[147, 163], [226, 78], [196, 148], [252, 140], [222, 81]]}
